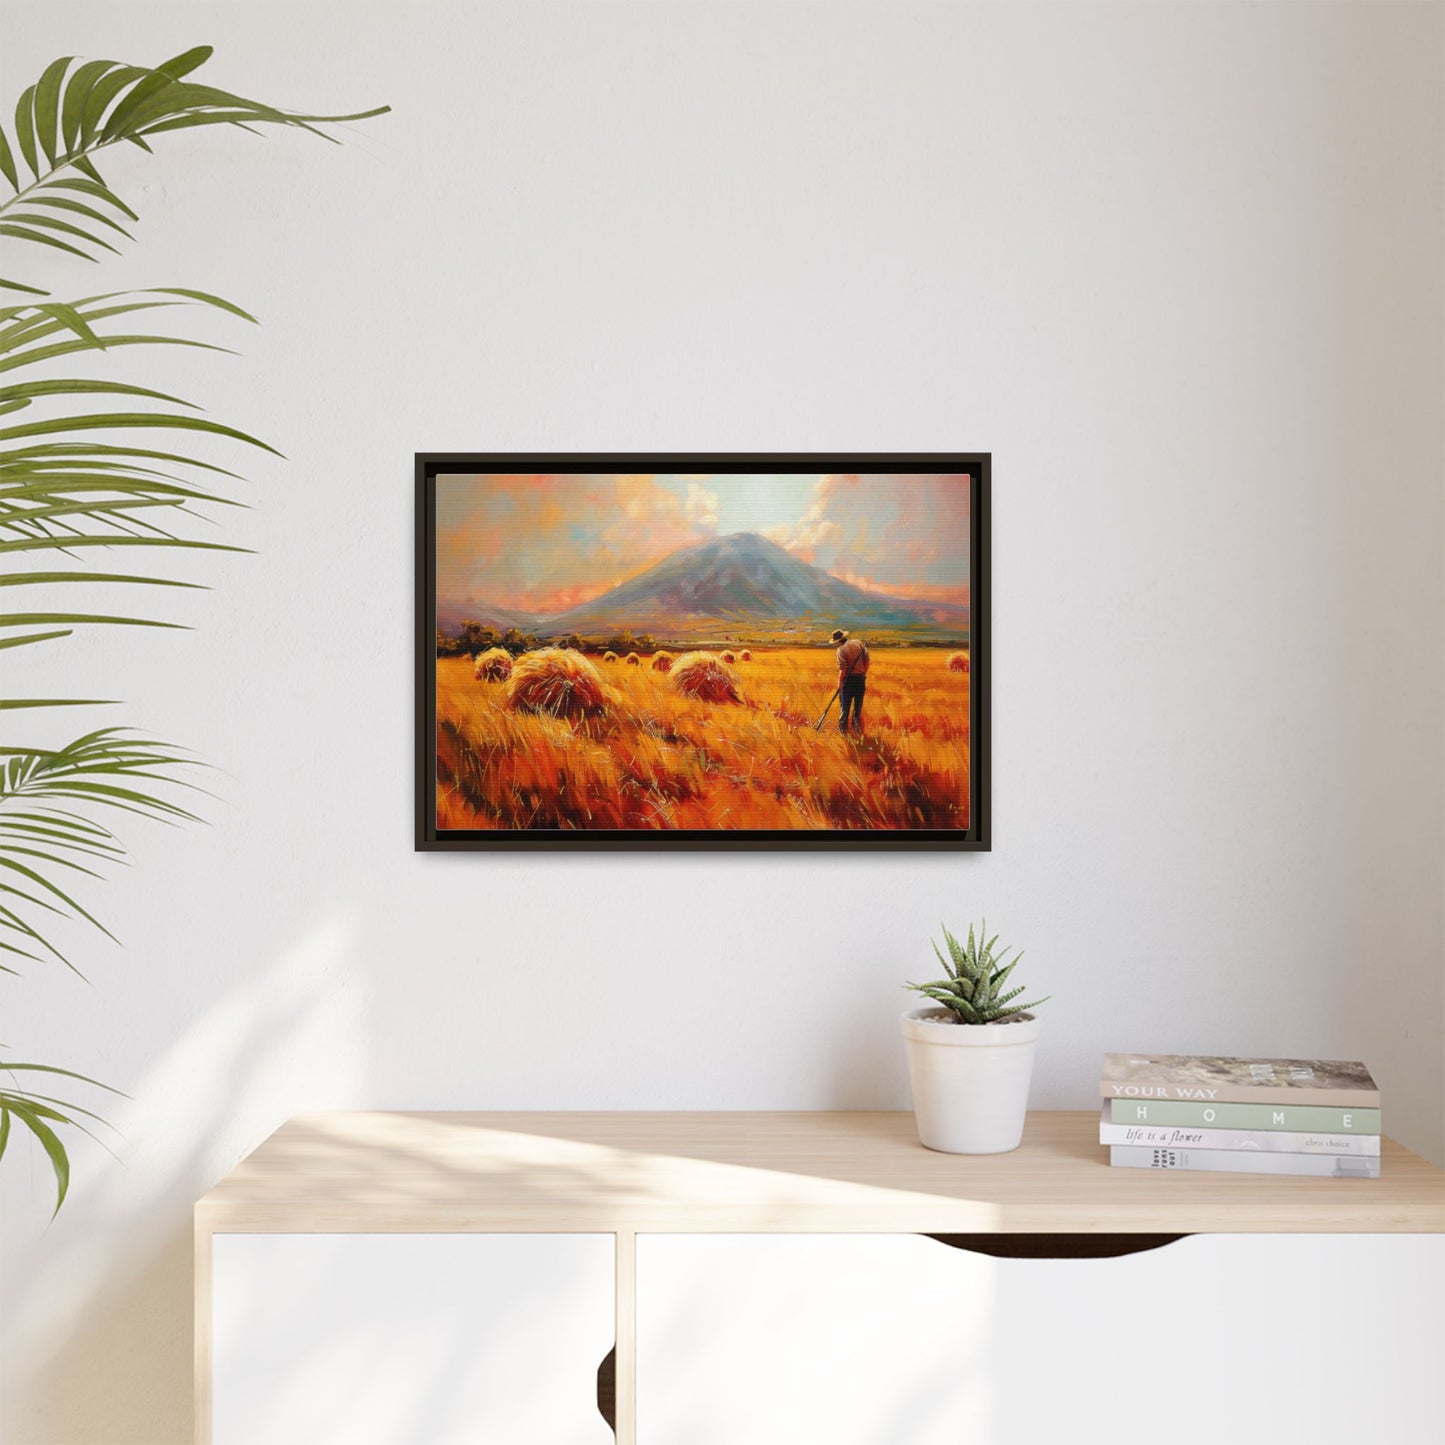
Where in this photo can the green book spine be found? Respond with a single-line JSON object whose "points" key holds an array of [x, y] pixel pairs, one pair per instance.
{"points": [[1307, 1118]]}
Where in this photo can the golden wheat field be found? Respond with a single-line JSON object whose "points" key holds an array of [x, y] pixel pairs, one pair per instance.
{"points": [[655, 759]]}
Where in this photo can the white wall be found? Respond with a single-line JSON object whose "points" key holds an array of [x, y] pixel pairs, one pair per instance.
{"points": [[1178, 267]]}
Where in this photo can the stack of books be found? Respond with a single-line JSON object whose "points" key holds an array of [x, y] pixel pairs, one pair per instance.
{"points": [[1241, 1116]]}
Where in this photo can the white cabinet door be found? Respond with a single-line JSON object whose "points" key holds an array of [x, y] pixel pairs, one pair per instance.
{"points": [[871, 1340], [395, 1339], [796, 1339]]}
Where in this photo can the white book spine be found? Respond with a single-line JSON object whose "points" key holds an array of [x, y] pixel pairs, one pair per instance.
{"points": [[1260, 1141], [1234, 1161]]}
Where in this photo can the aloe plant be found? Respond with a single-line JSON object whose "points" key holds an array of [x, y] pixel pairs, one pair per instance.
{"points": [[974, 987], [75, 487]]}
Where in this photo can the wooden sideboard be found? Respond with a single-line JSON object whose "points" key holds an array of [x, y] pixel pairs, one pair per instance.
{"points": [[615, 1179]]}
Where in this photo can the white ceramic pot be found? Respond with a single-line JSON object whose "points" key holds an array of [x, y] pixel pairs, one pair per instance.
{"points": [[970, 1081]]}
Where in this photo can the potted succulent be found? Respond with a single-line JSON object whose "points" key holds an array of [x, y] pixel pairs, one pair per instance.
{"points": [[970, 1058]]}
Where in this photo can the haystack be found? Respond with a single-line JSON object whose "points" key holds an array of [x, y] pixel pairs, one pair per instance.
{"points": [[704, 675], [493, 665], [609, 657], [633, 660], [556, 682], [728, 658], [958, 662], [661, 661]]}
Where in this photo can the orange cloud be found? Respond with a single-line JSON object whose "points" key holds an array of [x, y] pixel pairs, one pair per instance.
{"points": [[952, 595], [545, 543], [903, 535]]}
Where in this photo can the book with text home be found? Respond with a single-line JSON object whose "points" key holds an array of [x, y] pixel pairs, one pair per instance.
{"points": [[1301, 1118], [1241, 1081], [1265, 1141]]}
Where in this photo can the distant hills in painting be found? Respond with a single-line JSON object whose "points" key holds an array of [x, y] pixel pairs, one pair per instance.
{"points": [[737, 586]]}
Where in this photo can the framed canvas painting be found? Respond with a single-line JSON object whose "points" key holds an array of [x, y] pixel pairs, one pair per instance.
{"points": [[702, 651]]}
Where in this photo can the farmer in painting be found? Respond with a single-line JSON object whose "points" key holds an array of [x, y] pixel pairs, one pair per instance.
{"points": [[852, 678]]}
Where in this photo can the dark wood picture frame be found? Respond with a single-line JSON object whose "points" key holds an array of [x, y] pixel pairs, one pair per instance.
{"points": [[976, 838]]}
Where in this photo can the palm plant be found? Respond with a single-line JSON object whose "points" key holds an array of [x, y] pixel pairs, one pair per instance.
{"points": [[973, 989], [75, 486]]}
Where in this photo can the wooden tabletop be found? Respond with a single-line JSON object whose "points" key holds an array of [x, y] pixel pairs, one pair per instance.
{"points": [[827, 1172]]}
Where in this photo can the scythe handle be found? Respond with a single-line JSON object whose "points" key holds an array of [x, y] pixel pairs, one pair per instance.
{"points": [[818, 726]]}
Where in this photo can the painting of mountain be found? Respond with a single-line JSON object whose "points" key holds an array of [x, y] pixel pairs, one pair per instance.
{"points": [[702, 654], [749, 586]]}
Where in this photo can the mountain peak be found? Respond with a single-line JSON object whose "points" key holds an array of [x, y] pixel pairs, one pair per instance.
{"points": [[736, 581], [740, 542]]}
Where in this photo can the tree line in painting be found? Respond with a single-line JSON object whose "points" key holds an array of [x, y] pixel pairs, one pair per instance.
{"points": [[472, 638]]}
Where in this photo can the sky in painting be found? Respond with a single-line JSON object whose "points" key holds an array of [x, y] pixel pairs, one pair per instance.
{"points": [[544, 543]]}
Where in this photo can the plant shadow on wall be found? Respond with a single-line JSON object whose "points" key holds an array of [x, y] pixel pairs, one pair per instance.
{"points": [[85, 480], [98, 1346]]}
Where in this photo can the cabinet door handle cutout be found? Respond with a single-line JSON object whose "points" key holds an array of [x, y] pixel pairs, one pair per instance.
{"points": [[607, 1389], [1056, 1246]]}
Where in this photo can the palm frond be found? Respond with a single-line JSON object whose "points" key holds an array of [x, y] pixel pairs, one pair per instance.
{"points": [[40, 1113], [110, 768], [63, 491], [75, 111], [72, 481]]}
